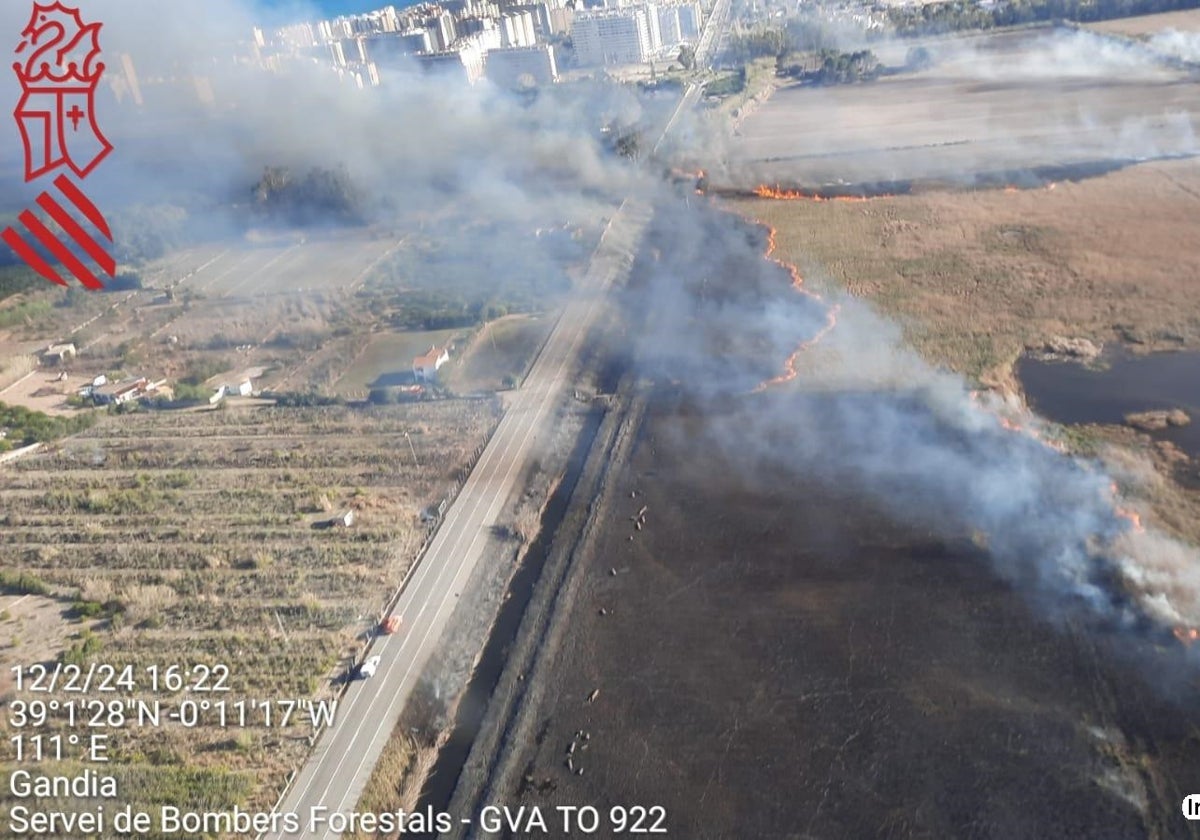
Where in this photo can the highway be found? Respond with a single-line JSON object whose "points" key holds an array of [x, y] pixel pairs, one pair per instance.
{"points": [[706, 52], [346, 752]]}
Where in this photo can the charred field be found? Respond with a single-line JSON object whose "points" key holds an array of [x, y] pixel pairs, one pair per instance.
{"points": [[771, 650], [765, 632]]}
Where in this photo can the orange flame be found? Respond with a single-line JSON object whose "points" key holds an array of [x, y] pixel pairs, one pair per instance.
{"points": [[764, 191], [1133, 516], [696, 177], [1017, 428], [790, 370], [1187, 635]]}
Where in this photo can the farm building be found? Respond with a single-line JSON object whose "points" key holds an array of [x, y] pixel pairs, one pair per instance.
{"points": [[425, 367], [244, 388], [120, 392], [57, 354]]}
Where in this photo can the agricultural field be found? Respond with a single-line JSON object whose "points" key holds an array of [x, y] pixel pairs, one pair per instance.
{"points": [[386, 359], [997, 109], [156, 538], [1145, 25], [330, 313], [499, 355], [976, 277], [274, 266]]}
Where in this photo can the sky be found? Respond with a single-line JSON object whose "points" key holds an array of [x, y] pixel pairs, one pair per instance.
{"points": [[329, 8]]}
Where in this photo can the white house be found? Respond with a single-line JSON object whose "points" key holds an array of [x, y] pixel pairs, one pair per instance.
{"points": [[244, 388], [425, 367]]}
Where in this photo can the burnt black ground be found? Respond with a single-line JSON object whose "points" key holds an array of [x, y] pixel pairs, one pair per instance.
{"points": [[777, 658], [781, 661]]}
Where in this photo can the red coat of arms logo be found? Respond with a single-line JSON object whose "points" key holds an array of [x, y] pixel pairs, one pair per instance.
{"points": [[58, 78], [56, 114]]}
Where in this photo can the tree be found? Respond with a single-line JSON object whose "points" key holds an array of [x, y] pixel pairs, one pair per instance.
{"points": [[687, 57], [918, 58]]}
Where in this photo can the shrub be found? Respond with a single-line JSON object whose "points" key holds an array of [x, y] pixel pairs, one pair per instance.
{"points": [[22, 583]]}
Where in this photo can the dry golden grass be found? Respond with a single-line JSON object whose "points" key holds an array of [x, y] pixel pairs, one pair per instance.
{"points": [[975, 277]]}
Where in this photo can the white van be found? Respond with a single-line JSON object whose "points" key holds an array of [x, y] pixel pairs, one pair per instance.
{"points": [[369, 667]]}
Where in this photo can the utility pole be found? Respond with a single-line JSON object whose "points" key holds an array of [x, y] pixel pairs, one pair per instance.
{"points": [[412, 449]]}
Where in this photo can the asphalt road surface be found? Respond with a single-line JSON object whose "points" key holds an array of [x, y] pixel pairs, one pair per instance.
{"points": [[346, 752]]}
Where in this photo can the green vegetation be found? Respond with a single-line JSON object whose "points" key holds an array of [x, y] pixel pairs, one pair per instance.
{"points": [[186, 393], [26, 427], [918, 58], [727, 85], [320, 196], [386, 396], [22, 583], [623, 139], [835, 68], [123, 502], [436, 310], [746, 46], [302, 399], [16, 277], [87, 645], [91, 610], [470, 276], [25, 311], [147, 232], [125, 281], [181, 537], [201, 370]]}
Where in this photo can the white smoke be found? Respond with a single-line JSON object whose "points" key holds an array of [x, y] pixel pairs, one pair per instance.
{"points": [[866, 412]]}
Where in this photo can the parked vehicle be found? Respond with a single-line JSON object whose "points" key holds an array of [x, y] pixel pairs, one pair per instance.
{"points": [[368, 668]]}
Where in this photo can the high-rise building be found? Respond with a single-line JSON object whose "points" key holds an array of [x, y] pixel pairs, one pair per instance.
{"points": [[691, 20], [652, 26], [611, 36], [668, 25], [354, 50], [516, 30], [390, 48], [466, 60], [441, 30], [518, 67], [540, 13], [562, 19]]}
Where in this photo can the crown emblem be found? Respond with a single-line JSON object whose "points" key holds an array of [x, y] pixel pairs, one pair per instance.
{"points": [[59, 50], [59, 73]]}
